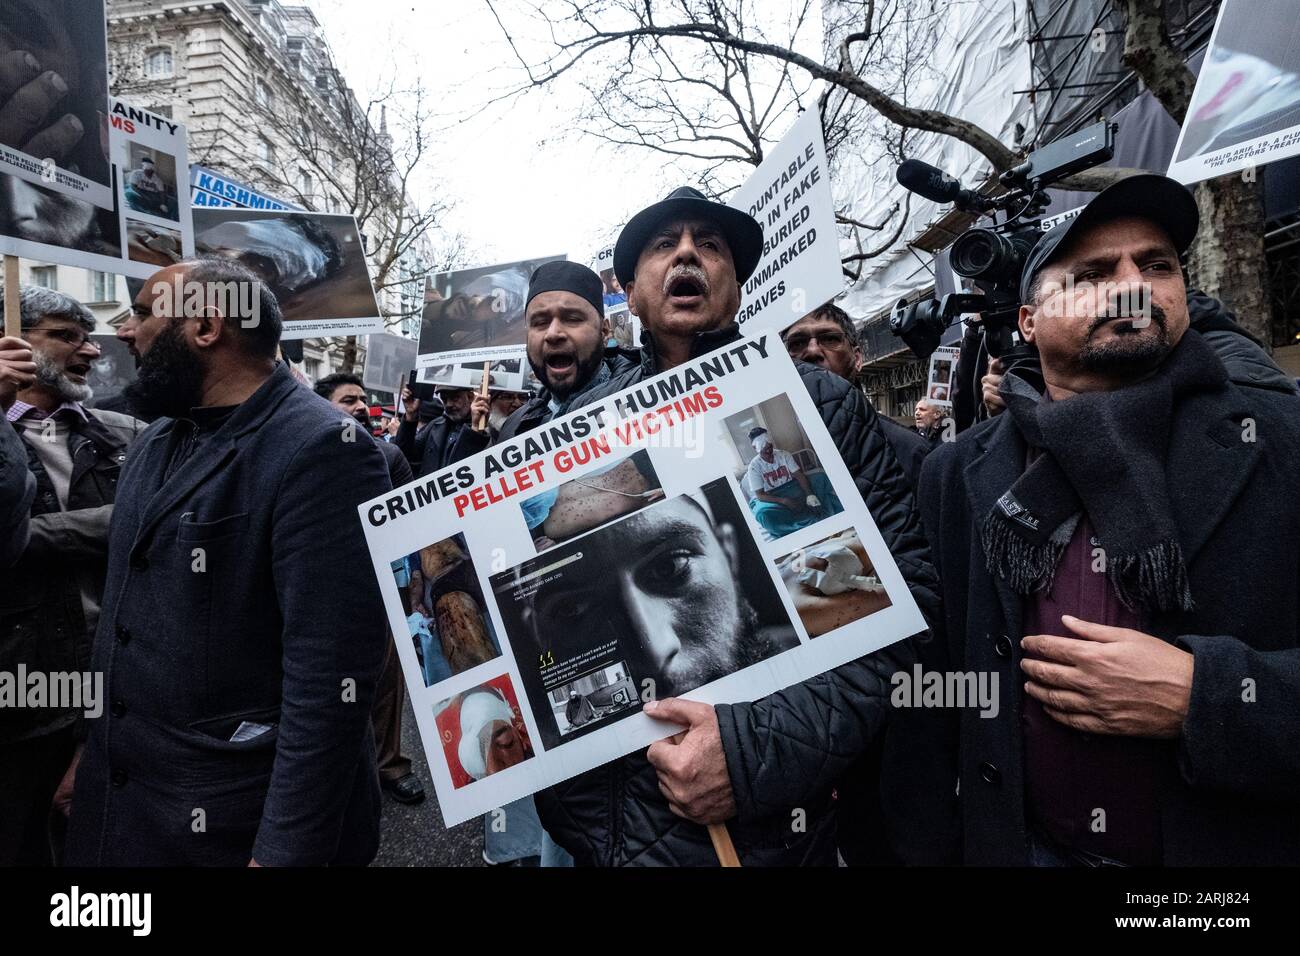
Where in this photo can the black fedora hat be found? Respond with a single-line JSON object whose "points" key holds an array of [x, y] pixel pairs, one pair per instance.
{"points": [[743, 233]]}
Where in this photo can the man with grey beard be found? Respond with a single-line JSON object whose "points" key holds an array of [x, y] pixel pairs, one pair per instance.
{"points": [[51, 599]]}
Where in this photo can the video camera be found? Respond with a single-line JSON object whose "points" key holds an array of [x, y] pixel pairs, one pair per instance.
{"points": [[994, 256]]}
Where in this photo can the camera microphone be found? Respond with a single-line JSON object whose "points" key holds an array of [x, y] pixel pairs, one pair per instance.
{"points": [[936, 185]]}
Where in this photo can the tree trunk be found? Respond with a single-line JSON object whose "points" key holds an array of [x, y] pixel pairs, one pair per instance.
{"points": [[348, 363], [1227, 258]]}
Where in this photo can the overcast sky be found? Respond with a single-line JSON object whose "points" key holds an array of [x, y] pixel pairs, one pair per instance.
{"points": [[525, 181]]}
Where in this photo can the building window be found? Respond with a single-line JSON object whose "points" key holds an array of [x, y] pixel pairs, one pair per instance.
{"points": [[47, 277], [103, 287], [305, 182], [265, 96], [265, 150], [158, 62]]}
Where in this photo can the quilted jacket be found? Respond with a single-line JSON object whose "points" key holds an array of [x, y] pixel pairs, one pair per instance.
{"points": [[785, 752]]}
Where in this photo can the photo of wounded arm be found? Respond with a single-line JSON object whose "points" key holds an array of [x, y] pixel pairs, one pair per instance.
{"points": [[832, 583], [583, 504]]}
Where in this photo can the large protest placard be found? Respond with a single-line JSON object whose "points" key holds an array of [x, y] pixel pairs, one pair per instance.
{"points": [[389, 358], [1245, 110], [504, 375], [211, 188], [476, 314], [147, 227], [113, 371], [942, 378], [315, 263], [697, 535], [54, 99], [624, 327], [790, 196]]}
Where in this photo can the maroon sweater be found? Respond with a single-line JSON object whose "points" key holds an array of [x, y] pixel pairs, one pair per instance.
{"points": [[1069, 774]]}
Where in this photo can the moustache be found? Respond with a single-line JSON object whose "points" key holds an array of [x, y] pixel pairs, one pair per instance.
{"points": [[1119, 308], [687, 272]]}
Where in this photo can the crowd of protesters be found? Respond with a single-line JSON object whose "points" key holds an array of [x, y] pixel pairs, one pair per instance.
{"points": [[1116, 541]]}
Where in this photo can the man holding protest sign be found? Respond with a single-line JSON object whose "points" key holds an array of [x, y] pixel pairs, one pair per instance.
{"points": [[768, 765], [450, 436], [238, 645]]}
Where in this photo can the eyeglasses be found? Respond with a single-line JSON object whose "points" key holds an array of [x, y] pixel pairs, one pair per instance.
{"points": [[834, 341], [73, 337]]}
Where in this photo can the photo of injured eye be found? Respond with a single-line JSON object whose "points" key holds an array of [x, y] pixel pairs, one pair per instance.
{"points": [[447, 618], [482, 731], [313, 262], [598, 497], [677, 593], [832, 583]]}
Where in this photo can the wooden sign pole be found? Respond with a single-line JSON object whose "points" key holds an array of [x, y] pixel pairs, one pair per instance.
{"points": [[13, 314], [722, 844], [480, 424]]}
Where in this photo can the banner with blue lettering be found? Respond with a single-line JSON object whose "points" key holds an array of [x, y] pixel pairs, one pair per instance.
{"points": [[211, 188]]}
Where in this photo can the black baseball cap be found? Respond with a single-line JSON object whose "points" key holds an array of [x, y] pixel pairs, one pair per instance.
{"points": [[741, 230], [1164, 201]]}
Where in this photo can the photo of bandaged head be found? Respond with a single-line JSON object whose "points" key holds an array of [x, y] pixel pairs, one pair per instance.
{"points": [[1249, 83], [482, 731], [313, 262], [54, 85], [446, 616], [778, 470], [477, 308], [582, 504], [593, 698], [677, 593], [832, 583], [149, 180]]}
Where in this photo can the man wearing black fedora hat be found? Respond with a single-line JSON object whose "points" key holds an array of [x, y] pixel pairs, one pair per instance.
{"points": [[766, 768], [1118, 548]]}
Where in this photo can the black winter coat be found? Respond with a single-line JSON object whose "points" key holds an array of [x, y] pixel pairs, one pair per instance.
{"points": [[233, 595], [42, 623], [953, 784], [785, 752]]}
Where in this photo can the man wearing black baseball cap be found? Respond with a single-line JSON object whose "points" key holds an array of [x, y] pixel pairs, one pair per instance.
{"points": [[1121, 544], [759, 765], [566, 331]]}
